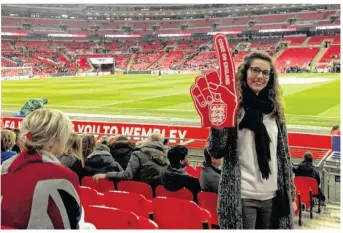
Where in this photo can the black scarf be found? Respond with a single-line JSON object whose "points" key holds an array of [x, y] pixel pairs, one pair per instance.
{"points": [[254, 107]]}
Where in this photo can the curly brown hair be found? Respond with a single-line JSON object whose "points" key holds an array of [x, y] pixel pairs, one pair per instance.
{"points": [[273, 88]]}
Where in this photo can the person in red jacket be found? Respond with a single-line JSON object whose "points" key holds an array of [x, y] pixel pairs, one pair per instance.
{"points": [[37, 191]]}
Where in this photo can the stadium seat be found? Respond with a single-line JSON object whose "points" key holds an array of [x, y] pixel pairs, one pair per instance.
{"points": [[314, 187], [89, 196], [102, 186], [111, 218], [145, 223], [6, 228], [208, 201], [191, 171], [136, 187], [172, 213], [183, 193], [128, 201], [304, 188]]}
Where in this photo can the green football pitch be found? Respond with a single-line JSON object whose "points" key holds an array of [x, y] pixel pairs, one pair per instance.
{"points": [[310, 99]]}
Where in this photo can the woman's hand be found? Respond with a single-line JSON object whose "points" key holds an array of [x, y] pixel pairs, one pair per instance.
{"points": [[98, 177], [295, 207]]}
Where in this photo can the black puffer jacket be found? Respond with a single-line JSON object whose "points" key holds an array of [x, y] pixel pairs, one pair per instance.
{"points": [[307, 169], [101, 162], [121, 152], [147, 164], [175, 179]]}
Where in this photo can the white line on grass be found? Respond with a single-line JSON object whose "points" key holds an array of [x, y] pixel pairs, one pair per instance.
{"points": [[148, 98]]}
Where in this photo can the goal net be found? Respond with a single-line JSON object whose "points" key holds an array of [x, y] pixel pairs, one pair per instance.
{"points": [[16, 73]]}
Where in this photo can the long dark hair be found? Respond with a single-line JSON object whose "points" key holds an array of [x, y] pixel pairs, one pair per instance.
{"points": [[272, 90]]}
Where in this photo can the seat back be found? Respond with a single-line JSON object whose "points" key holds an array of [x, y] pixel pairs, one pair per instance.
{"points": [[145, 223], [303, 187], [191, 170], [102, 186], [89, 196], [6, 228], [110, 218], [133, 202], [183, 193], [172, 213], [208, 200], [136, 187], [313, 184]]}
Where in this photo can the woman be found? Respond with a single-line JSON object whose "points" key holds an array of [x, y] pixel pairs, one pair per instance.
{"points": [[121, 150], [37, 192], [72, 156], [88, 144], [256, 188], [8, 139]]}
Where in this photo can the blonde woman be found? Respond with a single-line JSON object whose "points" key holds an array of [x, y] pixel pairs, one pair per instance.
{"points": [[8, 139], [72, 156], [256, 187], [37, 191]]}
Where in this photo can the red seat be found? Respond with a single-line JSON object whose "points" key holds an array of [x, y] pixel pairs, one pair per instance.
{"points": [[180, 194], [191, 171], [110, 218], [314, 187], [102, 186], [208, 201], [89, 196], [136, 187], [145, 223], [128, 201], [6, 228], [172, 213], [304, 188]]}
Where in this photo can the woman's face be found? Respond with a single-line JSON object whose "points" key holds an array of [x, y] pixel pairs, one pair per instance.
{"points": [[258, 75]]}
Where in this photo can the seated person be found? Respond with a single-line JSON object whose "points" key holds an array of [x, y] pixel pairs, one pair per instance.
{"points": [[210, 174], [101, 161], [147, 163], [176, 178], [121, 150], [306, 168], [46, 193], [8, 139]]}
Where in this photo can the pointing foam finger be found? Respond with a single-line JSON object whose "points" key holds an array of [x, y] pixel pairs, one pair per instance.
{"points": [[225, 62]]}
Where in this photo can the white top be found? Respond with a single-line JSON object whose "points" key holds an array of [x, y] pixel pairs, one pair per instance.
{"points": [[253, 186]]}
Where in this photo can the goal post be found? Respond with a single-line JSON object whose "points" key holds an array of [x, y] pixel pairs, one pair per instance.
{"points": [[16, 73]]}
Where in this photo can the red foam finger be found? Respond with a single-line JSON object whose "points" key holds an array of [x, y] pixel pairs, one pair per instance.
{"points": [[196, 94], [203, 86], [225, 62]]}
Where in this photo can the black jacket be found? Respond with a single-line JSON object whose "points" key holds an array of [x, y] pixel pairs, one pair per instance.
{"points": [[101, 162], [175, 179], [307, 169], [121, 152], [209, 178], [147, 164], [74, 164]]}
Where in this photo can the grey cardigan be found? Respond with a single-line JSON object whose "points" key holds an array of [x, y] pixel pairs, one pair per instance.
{"points": [[223, 143]]}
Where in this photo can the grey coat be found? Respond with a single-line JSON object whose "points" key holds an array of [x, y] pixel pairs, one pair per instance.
{"points": [[223, 143]]}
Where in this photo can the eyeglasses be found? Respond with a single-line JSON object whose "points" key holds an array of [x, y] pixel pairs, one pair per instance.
{"points": [[255, 71]]}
